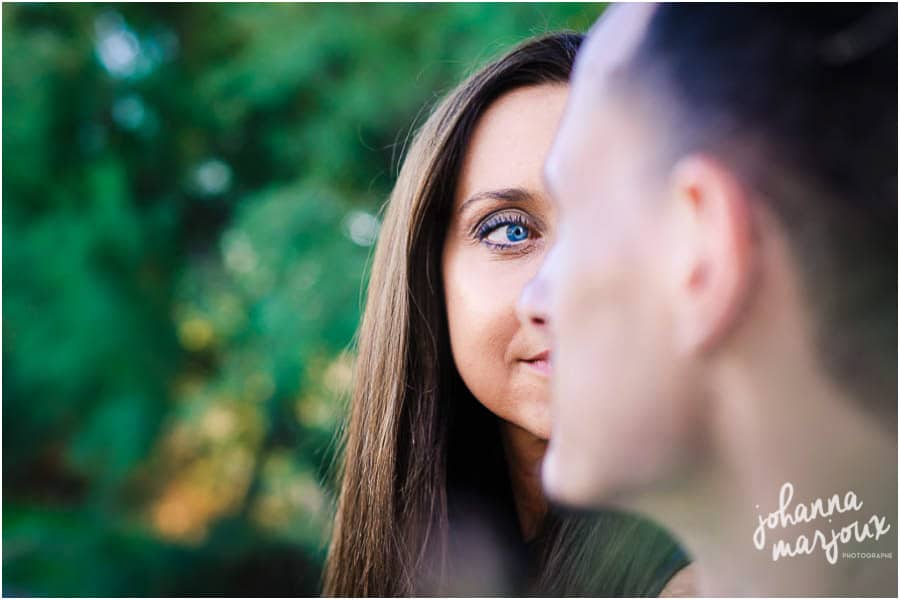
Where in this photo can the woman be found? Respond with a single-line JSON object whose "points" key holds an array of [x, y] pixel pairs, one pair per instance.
{"points": [[440, 491]]}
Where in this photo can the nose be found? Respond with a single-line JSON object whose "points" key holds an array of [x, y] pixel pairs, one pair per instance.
{"points": [[532, 305]]}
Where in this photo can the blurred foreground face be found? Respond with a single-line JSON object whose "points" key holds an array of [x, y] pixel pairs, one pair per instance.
{"points": [[621, 412], [500, 229]]}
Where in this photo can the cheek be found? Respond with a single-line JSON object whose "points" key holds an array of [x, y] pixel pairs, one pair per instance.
{"points": [[589, 279], [480, 300], [481, 294], [599, 314], [625, 402], [599, 262]]}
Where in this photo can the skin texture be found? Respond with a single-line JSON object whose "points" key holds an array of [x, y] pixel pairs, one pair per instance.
{"points": [[483, 283], [501, 178], [617, 353], [686, 383]]}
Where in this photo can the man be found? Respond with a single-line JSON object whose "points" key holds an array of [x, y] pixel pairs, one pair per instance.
{"points": [[722, 295]]}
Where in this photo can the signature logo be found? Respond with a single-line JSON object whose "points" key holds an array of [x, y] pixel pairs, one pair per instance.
{"points": [[820, 508]]}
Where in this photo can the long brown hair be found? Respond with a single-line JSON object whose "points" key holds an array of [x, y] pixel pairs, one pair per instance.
{"points": [[422, 459]]}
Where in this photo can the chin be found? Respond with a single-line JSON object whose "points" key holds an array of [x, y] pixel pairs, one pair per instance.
{"points": [[533, 415], [572, 480], [564, 483]]}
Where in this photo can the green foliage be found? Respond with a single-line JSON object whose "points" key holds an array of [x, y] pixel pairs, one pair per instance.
{"points": [[190, 195]]}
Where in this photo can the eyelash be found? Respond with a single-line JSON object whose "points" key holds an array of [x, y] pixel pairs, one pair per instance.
{"points": [[498, 220]]}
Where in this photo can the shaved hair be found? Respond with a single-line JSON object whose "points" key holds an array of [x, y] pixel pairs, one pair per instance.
{"points": [[800, 101]]}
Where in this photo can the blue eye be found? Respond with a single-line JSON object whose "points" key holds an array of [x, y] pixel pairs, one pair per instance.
{"points": [[504, 230], [511, 233], [516, 233]]}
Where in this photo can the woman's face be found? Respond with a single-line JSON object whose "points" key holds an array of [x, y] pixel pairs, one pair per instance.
{"points": [[501, 225]]}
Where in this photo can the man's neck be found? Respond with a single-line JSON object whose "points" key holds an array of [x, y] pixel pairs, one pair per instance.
{"points": [[782, 442]]}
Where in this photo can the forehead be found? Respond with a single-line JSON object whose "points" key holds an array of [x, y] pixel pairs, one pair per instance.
{"points": [[612, 41], [595, 127], [512, 139], [609, 47]]}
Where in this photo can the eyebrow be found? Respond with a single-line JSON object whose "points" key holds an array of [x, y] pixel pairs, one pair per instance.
{"points": [[507, 194]]}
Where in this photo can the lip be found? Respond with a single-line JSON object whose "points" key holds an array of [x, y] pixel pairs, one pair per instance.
{"points": [[540, 363]]}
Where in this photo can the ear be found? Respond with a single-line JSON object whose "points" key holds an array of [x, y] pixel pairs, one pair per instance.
{"points": [[713, 264]]}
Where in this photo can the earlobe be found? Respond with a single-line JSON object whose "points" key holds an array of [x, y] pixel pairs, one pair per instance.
{"points": [[714, 252]]}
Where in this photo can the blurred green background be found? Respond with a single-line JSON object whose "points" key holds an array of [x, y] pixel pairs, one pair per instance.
{"points": [[190, 197]]}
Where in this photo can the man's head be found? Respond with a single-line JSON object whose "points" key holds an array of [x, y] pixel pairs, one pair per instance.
{"points": [[706, 152]]}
